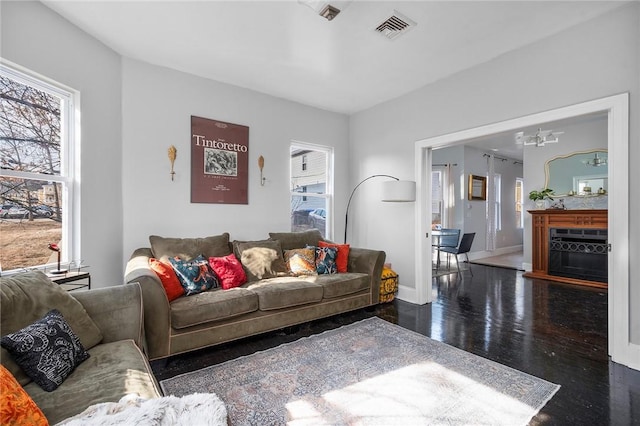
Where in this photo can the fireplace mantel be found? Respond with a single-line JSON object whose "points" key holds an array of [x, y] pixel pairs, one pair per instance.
{"points": [[542, 220]]}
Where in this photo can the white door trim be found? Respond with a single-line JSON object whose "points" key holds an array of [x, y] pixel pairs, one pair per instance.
{"points": [[617, 108]]}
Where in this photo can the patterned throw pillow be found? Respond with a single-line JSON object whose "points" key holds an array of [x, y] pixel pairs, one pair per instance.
{"points": [[168, 277], [301, 261], [195, 275], [16, 406], [229, 270], [342, 261], [326, 260], [47, 350]]}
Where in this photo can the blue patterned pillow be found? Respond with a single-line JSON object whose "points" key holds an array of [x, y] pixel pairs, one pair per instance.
{"points": [[194, 275], [47, 350], [326, 260]]}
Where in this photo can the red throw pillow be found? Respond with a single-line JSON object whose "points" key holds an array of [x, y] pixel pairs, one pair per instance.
{"points": [[229, 270], [342, 261], [169, 279], [16, 406]]}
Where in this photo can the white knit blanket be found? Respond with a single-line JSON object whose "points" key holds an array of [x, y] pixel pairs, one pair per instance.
{"points": [[195, 409]]}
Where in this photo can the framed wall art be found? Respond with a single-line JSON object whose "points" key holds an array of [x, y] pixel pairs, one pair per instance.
{"points": [[219, 162], [477, 187]]}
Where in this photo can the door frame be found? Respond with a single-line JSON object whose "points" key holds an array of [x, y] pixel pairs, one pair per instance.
{"points": [[621, 349]]}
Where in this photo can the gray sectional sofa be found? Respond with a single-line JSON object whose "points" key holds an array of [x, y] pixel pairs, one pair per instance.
{"points": [[260, 305], [108, 323]]}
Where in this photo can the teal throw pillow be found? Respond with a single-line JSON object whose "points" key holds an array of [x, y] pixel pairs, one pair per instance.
{"points": [[194, 275], [326, 260]]}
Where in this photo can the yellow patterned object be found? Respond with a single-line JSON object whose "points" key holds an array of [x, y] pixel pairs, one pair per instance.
{"points": [[388, 285]]}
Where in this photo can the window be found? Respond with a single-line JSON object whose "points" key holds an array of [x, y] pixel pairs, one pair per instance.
{"points": [[37, 182], [312, 175], [437, 199], [497, 187], [519, 202]]}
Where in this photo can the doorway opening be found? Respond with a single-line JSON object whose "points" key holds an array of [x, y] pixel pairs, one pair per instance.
{"points": [[617, 110]]}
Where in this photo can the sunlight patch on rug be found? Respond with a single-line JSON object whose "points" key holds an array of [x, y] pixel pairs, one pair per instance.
{"points": [[369, 373]]}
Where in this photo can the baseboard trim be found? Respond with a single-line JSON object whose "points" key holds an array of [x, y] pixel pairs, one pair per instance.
{"points": [[477, 255]]}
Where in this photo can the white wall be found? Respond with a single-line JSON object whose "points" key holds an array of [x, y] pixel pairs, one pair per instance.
{"points": [[157, 107], [590, 61], [35, 37]]}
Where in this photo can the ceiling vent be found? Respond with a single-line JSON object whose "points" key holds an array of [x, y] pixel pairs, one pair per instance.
{"points": [[396, 25]]}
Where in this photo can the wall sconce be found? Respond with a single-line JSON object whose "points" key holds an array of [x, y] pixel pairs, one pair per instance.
{"points": [[261, 166], [173, 153]]}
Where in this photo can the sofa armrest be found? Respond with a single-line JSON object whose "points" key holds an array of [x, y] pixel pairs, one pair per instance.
{"points": [[157, 315], [117, 311], [369, 262]]}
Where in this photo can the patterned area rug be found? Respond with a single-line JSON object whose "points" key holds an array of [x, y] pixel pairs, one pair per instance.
{"points": [[368, 373]]}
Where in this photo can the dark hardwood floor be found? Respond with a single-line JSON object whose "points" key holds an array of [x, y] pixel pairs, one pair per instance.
{"points": [[553, 331]]}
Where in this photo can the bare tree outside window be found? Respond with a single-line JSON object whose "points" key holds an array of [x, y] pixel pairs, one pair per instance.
{"points": [[31, 184]]}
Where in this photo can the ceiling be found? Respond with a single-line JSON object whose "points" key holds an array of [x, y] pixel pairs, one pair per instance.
{"points": [[286, 49]]}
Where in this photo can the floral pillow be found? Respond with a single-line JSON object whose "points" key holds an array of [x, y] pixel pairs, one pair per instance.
{"points": [[326, 260], [47, 350], [195, 275], [301, 261], [342, 260]]}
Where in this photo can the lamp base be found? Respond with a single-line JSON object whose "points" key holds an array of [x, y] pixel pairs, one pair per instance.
{"points": [[58, 271]]}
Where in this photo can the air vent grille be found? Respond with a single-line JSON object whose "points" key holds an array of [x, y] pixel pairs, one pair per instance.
{"points": [[396, 25]]}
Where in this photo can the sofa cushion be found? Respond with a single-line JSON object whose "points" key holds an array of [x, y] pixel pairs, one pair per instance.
{"points": [[194, 275], [212, 306], [189, 248], [326, 260], [285, 292], [301, 261], [16, 406], [337, 285], [260, 259], [168, 277], [229, 270], [27, 297], [292, 240], [113, 370], [47, 350], [342, 258]]}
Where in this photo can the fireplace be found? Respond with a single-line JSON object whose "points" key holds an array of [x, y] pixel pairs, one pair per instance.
{"points": [[579, 253]]}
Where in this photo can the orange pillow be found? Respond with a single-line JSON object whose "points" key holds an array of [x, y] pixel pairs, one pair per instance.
{"points": [[169, 279], [342, 260], [16, 406]]}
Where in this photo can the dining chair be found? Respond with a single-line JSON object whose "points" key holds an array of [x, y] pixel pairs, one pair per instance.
{"points": [[447, 237], [463, 248]]}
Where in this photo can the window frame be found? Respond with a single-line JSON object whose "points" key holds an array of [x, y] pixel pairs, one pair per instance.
{"points": [[328, 195], [69, 177]]}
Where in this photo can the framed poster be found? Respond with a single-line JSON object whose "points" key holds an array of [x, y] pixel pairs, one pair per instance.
{"points": [[477, 187], [219, 162]]}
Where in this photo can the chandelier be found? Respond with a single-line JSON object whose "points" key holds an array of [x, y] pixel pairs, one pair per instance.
{"points": [[540, 138]]}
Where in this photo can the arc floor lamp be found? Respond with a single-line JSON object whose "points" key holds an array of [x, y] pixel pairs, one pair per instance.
{"points": [[396, 191]]}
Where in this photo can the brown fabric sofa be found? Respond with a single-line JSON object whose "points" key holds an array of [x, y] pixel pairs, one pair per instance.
{"points": [[107, 321], [261, 305]]}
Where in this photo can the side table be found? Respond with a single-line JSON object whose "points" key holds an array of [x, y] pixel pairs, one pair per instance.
{"points": [[69, 280]]}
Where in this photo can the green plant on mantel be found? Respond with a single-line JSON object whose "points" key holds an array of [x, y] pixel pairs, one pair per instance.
{"points": [[541, 195]]}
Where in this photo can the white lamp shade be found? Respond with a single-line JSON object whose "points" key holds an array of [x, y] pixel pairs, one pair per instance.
{"points": [[399, 191]]}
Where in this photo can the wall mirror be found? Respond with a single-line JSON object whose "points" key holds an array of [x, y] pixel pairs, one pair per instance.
{"points": [[477, 187], [577, 171]]}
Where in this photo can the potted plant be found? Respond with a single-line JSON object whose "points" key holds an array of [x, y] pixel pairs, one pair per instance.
{"points": [[539, 196]]}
